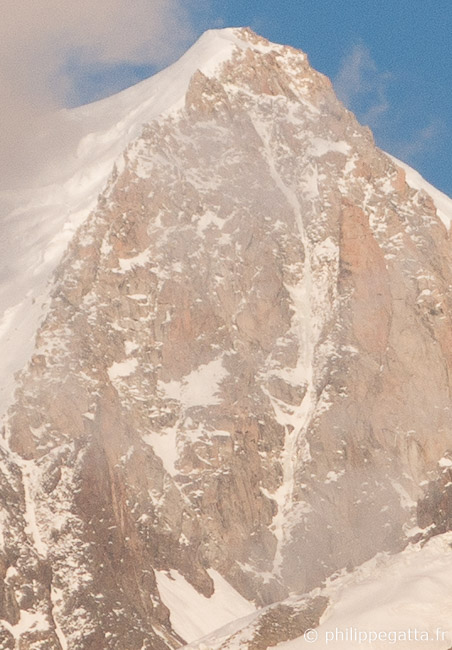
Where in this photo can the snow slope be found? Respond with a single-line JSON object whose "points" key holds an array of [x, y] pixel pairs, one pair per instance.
{"points": [[401, 600], [442, 202], [410, 593], [192, 614]]}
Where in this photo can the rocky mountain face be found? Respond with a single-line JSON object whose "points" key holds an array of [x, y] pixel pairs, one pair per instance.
{"points": [[243, 376]]}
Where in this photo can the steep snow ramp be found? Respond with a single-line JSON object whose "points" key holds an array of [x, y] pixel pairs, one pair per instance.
{"points": [[192, 614], [442, 202]]}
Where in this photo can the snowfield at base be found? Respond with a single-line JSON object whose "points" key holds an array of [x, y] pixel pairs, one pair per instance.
{"points": [[192, 614], [408, 591]]}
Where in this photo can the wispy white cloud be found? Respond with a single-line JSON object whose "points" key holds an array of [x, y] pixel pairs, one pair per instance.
{"points": [[421, 141], [38, 39], [361, 86], [364, 89]]}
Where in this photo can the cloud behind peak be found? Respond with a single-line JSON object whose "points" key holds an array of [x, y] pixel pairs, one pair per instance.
{"points": [[47, 46]]}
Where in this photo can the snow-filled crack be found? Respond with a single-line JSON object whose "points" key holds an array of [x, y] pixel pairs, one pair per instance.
{"points": [[32, 528], [296, 420]]}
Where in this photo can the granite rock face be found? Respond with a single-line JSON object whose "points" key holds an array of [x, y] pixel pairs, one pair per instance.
{"points": [[245, 366]]}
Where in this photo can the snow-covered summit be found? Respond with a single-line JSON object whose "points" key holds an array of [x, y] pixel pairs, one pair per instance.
{"points": [[166, 90]]}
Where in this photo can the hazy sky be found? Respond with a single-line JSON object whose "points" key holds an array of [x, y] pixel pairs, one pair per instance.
{"points": [[390, 60]]}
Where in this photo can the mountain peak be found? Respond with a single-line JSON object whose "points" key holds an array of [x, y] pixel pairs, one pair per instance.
{"points": [[241, 381], [165, 90]]}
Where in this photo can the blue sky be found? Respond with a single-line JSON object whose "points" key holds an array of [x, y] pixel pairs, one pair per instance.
{"points": [[391, 61]]}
